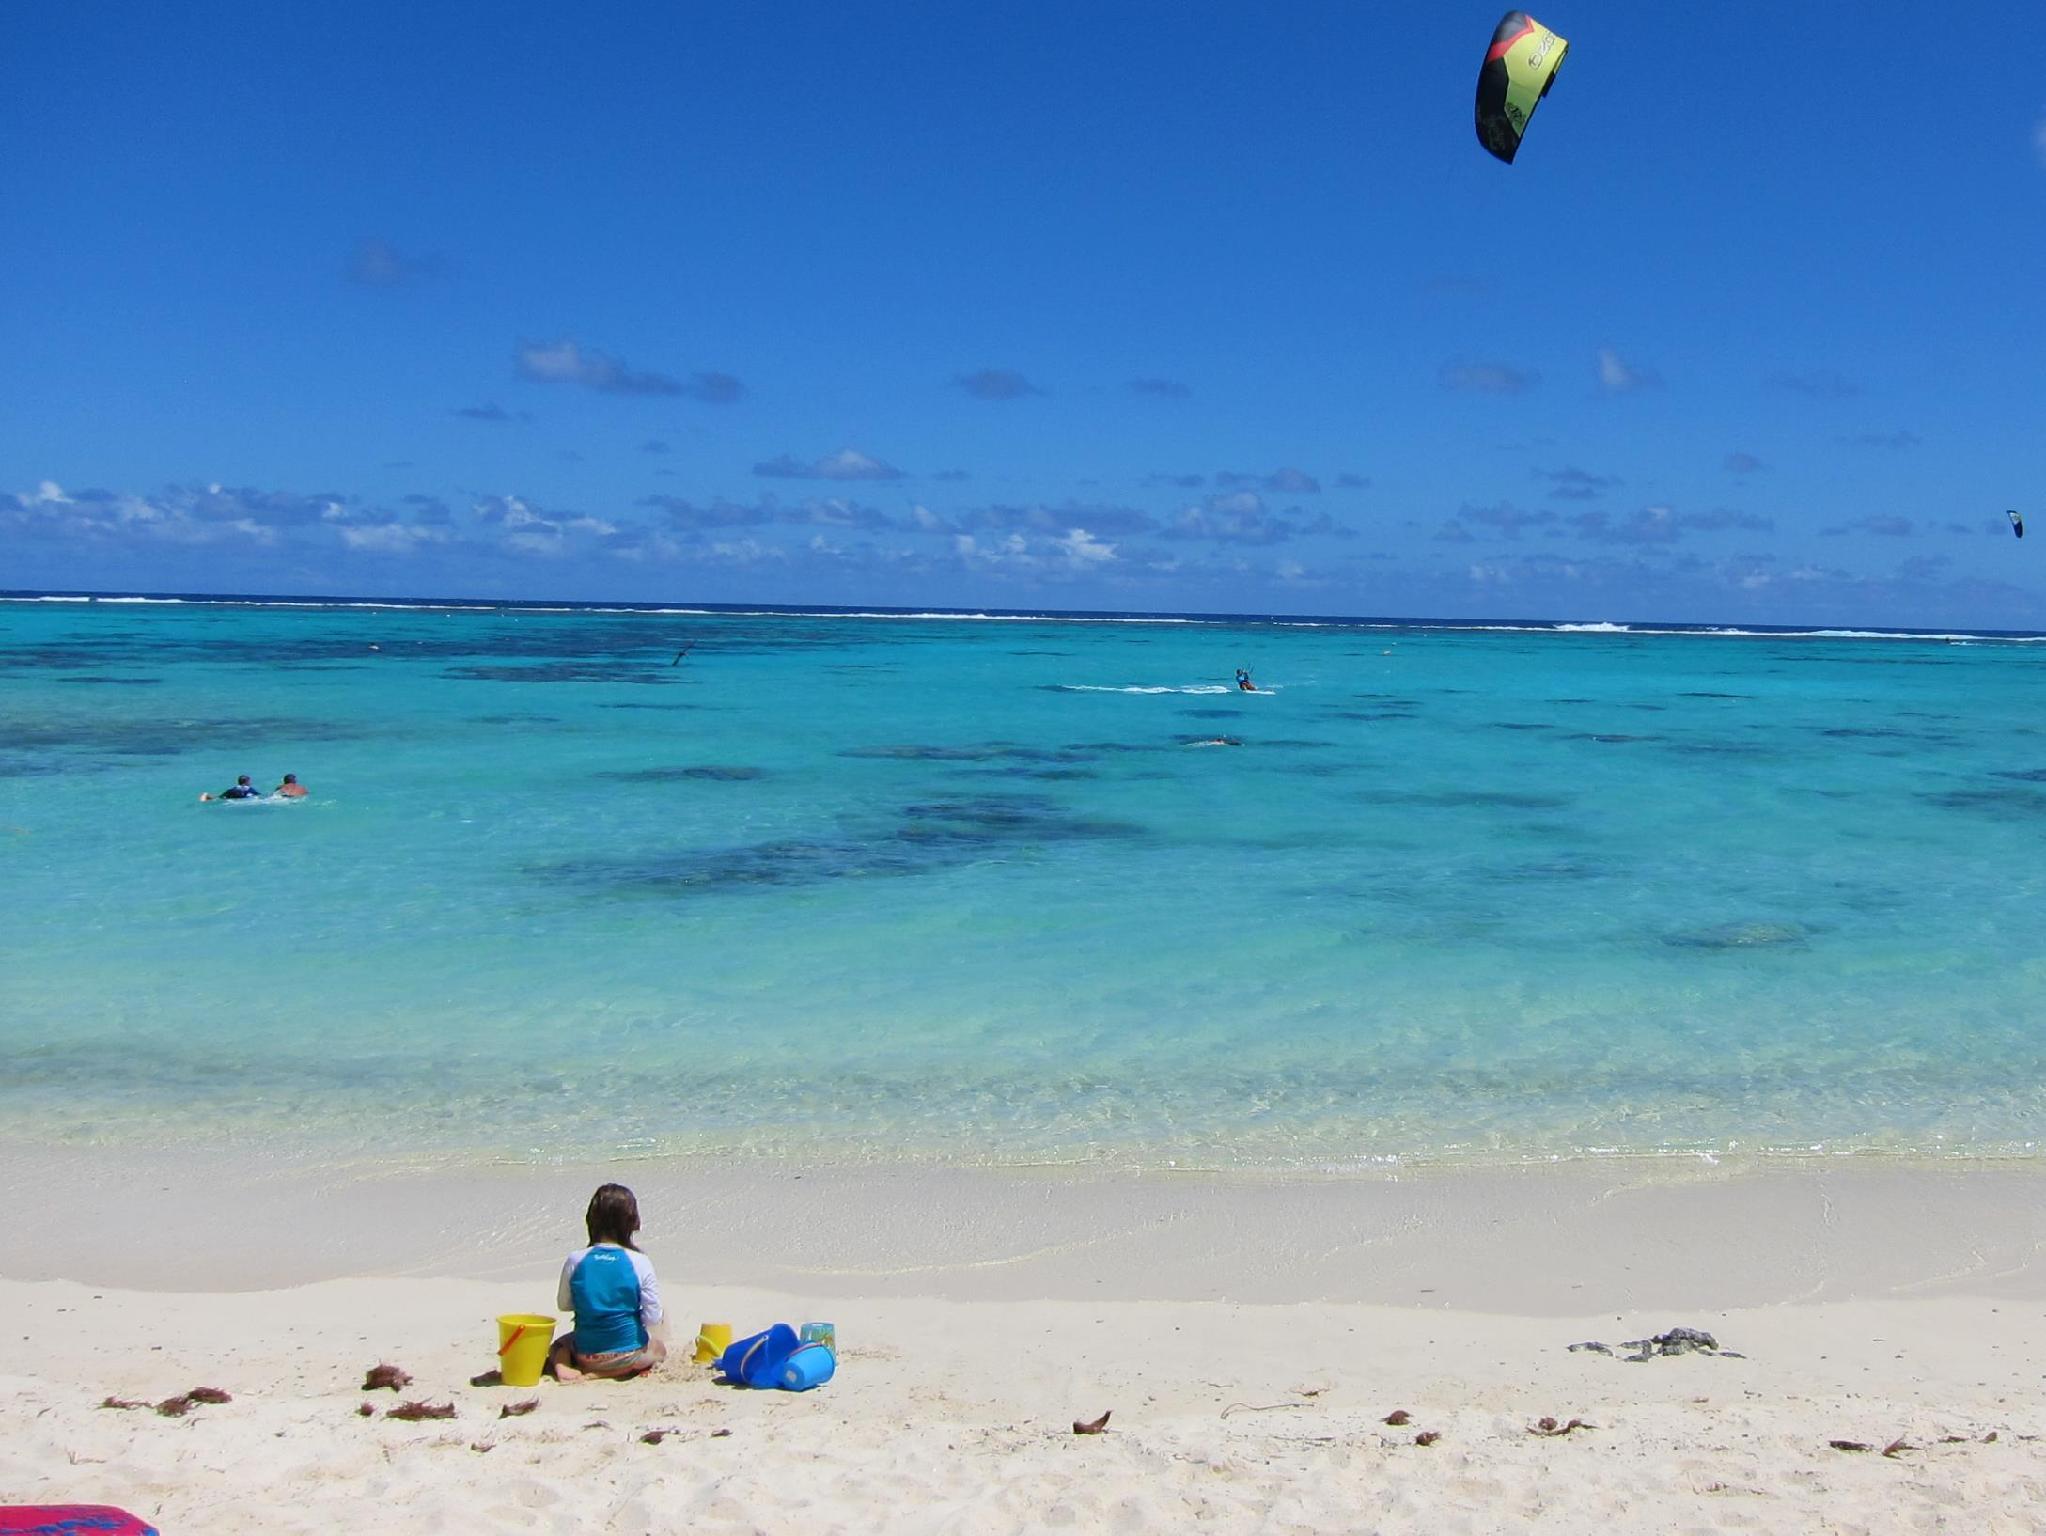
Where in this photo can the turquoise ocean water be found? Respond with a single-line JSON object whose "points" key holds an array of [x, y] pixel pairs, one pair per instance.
{"points": [[849, 888]]}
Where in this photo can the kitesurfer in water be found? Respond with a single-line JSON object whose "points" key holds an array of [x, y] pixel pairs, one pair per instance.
{"points": [[290, 789], [1243, 681], [242, 790]]}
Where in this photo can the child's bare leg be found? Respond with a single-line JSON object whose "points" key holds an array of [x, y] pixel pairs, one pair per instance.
{"points": [[558, 1360], [638, 1364]]}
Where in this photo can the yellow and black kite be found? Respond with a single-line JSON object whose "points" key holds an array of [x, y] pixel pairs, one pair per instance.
{"points": [[1520, 66]]}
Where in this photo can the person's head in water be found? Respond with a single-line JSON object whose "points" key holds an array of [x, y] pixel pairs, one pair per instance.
{"points": [[241, 781], [291, 778], [613, 1216]]}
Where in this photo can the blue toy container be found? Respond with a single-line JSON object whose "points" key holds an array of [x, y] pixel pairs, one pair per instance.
{"points": [[809, 1366], [756, 1361]]}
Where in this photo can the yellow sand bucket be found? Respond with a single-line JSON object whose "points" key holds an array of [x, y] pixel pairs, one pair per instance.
{"points": [[523, 1339], [712, 1340]]}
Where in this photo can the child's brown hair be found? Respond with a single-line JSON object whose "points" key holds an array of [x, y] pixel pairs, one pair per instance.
{"points": [[613, 1216]]}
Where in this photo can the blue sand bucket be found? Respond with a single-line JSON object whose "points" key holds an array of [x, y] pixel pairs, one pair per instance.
{"points": [[811, 1365], [756, 1361]]}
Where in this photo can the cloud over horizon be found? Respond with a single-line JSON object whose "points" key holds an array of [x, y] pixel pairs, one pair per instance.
{"points": [[846, 464], [568, 362], [1570, 483], [1662, 525], [1280, 482], [680, 512], [1241, 517]]}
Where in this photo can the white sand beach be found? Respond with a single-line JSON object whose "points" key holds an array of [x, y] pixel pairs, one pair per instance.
{"points": [[1249, 1338]]}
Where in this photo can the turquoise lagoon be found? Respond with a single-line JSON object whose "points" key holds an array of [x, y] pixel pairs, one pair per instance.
{"points": [[847, 888]]}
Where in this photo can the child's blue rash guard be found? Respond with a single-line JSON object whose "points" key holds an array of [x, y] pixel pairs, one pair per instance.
{"points": [[615, 1298]]}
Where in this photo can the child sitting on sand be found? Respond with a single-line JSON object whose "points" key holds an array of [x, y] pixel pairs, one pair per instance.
{"points": [[610, 1286]]}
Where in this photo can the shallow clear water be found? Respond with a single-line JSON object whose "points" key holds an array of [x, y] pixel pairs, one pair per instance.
{"points": [[848, 888]]}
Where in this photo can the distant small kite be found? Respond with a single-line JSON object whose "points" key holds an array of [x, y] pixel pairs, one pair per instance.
{"points": [[1519, 68], [2017, 524]]}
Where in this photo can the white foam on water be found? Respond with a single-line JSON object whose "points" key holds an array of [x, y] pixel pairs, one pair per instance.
{"points": [[1152, 688]]}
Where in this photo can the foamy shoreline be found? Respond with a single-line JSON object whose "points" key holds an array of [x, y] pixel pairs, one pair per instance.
{"points": [[1250, 1336]]}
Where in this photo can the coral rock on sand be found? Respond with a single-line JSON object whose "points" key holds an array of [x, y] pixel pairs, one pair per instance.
{"points": [[1092, 1426], [1678, 1341]]}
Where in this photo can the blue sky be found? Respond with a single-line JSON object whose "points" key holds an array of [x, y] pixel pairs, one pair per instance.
{"points": [[1216, 308]]}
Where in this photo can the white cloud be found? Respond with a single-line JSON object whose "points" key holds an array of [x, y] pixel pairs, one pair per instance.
{"points": [[561, 363], [1082, 548], [1617, 377], [188, 531], [846, 464], [530, 531], [391, 538], [748, 551], [568, 362]]}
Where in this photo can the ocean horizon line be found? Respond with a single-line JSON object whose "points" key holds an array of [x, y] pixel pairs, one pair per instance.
{"points": [[991, 613]]}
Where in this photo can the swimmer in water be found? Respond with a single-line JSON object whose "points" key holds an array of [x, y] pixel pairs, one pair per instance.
{"points": [[290, 789], [1243, 681], [242, 790]]}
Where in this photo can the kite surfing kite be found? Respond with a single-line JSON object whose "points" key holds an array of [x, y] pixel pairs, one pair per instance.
{"points": [[1520, 66], [2017, 524]]}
